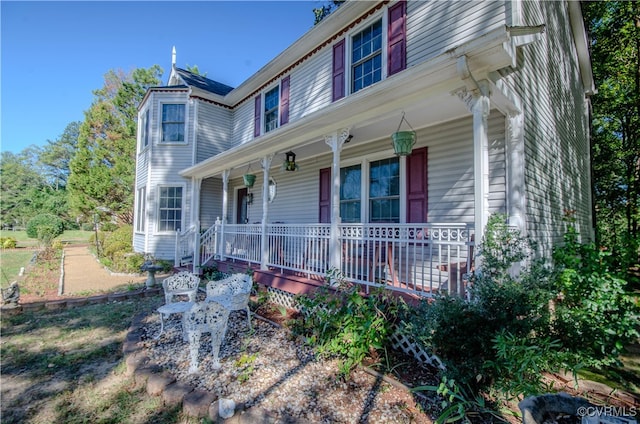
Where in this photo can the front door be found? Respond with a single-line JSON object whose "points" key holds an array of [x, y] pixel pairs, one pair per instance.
{"points": [[242, 215]]}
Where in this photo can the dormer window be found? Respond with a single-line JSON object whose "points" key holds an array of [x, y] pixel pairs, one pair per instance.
{"points": [[173, 123]]}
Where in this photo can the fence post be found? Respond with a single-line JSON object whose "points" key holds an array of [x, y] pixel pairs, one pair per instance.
{"points": [[176, 250]]}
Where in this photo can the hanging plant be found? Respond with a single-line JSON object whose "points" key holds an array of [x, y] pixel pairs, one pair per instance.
{"points": [[403, 141]]}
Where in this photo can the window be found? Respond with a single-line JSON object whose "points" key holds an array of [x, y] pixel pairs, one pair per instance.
{"points": [[142, 209], [144, 128], [170, 209], [173, 122], [366, 57], [384, 190], [271, 102], [350, 193]]}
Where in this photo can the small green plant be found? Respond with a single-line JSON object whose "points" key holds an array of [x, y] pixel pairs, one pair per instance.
{"points": [[211, 273], [459, 404], [246, 365], [8, 242]]}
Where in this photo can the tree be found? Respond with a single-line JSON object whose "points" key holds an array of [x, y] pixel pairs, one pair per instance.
{"points": [[56, 156], [102, 170], [324, 11], [614, 28], [18, 173]]}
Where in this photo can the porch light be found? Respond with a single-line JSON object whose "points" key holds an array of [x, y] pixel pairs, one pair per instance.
{"points": [[290, 162], [403, 141]]}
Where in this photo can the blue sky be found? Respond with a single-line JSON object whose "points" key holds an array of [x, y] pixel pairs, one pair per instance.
{"points": [[54, 54]]}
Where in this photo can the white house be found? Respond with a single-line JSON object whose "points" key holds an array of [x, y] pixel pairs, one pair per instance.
{"points": [[497, 93]]}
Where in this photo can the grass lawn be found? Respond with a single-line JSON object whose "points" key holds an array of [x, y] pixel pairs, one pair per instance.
{"points": [[11, 260], [67, 366]]}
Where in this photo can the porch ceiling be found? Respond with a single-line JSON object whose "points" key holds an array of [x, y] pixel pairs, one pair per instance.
{"points": [[425, 93]]}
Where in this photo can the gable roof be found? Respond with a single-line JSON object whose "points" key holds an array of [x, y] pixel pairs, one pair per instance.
{"points": [[203, 83]]}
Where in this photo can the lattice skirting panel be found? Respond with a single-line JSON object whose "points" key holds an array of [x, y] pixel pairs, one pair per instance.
{"points": [[282, 298], [399, 341], [405, 344]]}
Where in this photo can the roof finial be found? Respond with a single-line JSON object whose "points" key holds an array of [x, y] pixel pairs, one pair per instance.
{"points": [[173, 56]]}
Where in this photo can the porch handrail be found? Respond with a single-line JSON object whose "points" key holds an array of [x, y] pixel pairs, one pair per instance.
{"points": [[185, 246]]}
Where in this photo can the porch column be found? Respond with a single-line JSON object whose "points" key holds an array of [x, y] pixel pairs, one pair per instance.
{"points": [[195, 219], [478, 103], [516, 195], [336, 141], [264, 245], [225, 211]]}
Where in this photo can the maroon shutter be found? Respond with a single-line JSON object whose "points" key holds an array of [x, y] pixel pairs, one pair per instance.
{"points": [[338, 70], [256, 118], [324, 214], [397, 39], [417, 185], [284, 100]]}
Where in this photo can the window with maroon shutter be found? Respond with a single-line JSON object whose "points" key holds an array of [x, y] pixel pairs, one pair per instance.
{"points": [[338, 70], [256, 118], [396, 36], [284, 100], [417, 185]]}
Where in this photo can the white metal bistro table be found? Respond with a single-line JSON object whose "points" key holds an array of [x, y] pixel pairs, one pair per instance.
{"points": [[174, 308]]}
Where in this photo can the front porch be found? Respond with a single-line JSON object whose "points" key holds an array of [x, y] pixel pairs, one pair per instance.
{"points": [[415, 259]]}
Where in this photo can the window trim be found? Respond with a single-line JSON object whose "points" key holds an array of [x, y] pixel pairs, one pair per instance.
{"points": [[274, 88], [159, 187], [141, 210], [145, 129], [186, 115], [382, 17], [365, 166]]}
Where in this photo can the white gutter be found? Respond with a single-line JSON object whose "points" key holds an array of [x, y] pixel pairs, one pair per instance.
{"points": [[582, 47]]}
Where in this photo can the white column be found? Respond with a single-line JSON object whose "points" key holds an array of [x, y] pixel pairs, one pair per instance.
{"points": [[335, 141], [264, 245], [225, 211], [478, 103], [196, 186]]}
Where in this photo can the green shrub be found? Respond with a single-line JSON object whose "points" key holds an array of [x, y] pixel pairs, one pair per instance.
{"points": [[117, 249], [346, 324], [8, 242], [594, 316], [45, 227], [465, 333]]}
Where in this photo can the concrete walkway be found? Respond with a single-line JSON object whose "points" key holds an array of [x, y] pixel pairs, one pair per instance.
{"points": [[83, 274]]}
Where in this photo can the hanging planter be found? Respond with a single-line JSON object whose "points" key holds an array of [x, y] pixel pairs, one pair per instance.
{"points": [[403, 141], [249, 179]]}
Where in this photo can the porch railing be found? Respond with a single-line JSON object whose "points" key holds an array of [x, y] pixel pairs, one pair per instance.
{"points": [[424, 259], [185, 246]]}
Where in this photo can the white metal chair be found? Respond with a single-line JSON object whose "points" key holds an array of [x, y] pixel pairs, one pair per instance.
{"points": [[232, 292], [205, 317], [181, 284]]}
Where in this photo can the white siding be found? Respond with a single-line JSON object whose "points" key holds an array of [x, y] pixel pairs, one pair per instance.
{"points": [[211, 201], [213, 131], [556, 126], [434, 27]]}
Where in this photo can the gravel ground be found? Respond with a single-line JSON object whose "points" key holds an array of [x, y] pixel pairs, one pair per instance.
{"points": [[266, 368]]}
